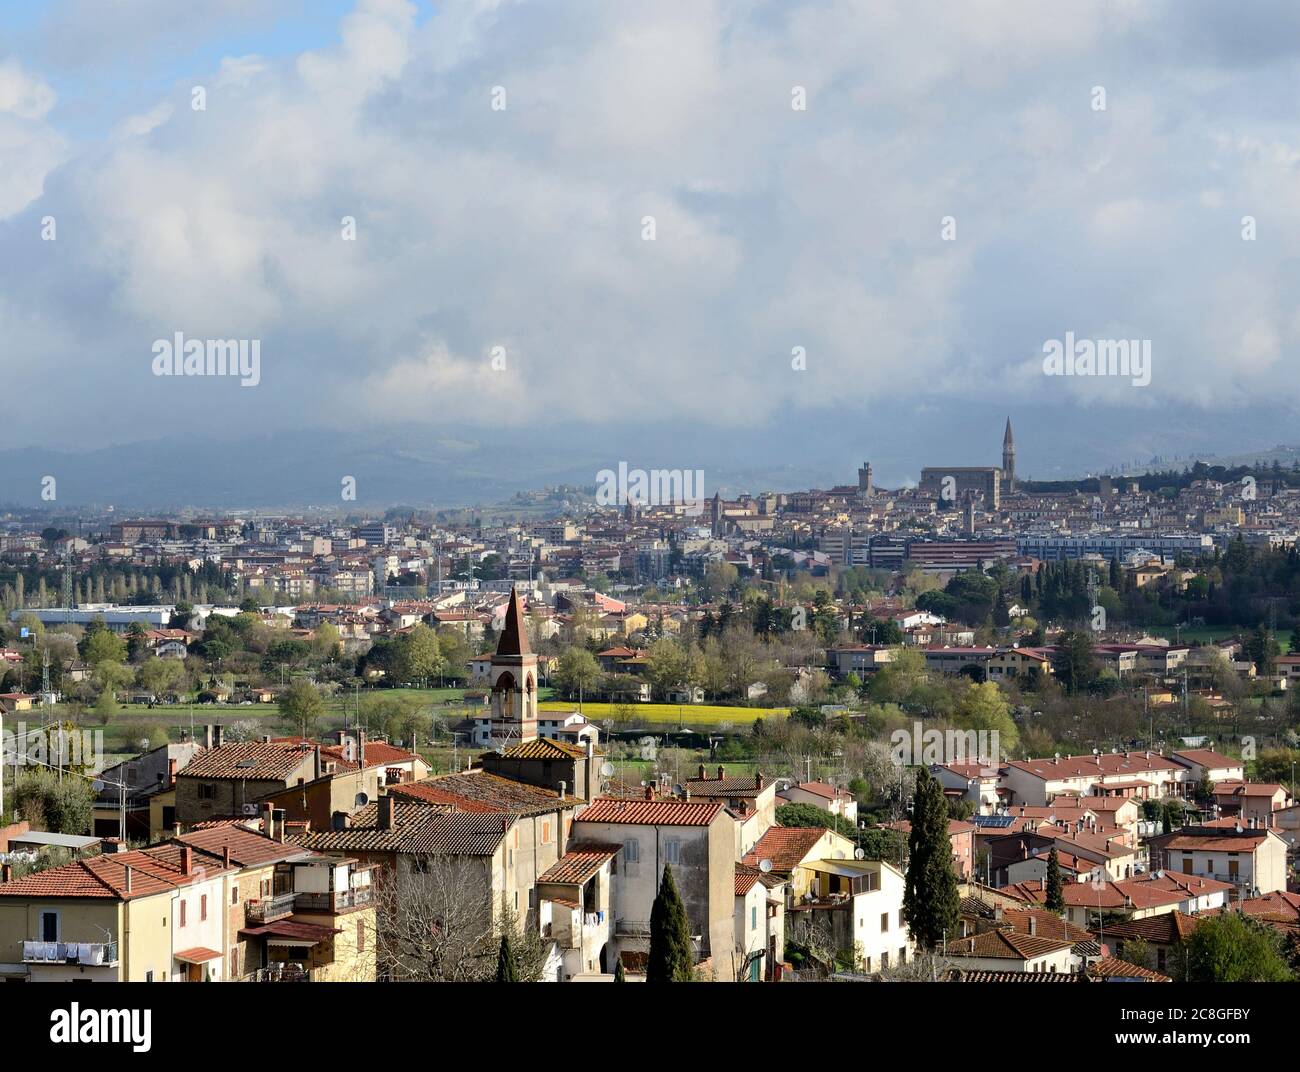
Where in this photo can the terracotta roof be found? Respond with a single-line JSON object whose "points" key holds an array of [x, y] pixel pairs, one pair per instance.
{"points": [[1167, 928], [514, 634], [726, 787], [198, 955], [1114, 968], [1046, 924], [261, 760], [1006, 945], [427, 793], [650, 812], [1206, 757], [821, 789], [1108, 764], [482, 790], [153, 871], [291, 928], [576, 866], [247, 849], [785, 846], [416, 829], [545, 748]]}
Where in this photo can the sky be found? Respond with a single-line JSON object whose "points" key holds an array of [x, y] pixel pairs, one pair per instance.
{"points": [[873, 275]]}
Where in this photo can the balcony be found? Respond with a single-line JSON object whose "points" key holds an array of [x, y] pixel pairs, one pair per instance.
{"points": [[281, 973], [632, 928], [269, 909], [88, 954], [333, 902]]}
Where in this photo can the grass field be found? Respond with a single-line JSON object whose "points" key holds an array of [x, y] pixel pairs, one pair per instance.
{"points": [[693, 715]]}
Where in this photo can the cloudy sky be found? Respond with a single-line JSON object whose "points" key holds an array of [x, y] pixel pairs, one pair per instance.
{"points": [[774, 228]]}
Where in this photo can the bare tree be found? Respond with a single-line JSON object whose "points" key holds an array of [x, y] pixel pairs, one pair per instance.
{"points": [[435, 922]]}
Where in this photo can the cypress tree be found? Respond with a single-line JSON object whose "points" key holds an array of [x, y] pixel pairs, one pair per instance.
{"points": [[1055, 893], [506, 972], [671, 958], [620, 976], [930, 899]]}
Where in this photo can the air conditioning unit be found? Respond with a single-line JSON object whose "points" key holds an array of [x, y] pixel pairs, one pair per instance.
{"points": [[250, 809]]}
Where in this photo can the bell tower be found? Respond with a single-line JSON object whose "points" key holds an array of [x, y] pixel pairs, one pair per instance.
{"points": [[1008, 459], [514, 680]]}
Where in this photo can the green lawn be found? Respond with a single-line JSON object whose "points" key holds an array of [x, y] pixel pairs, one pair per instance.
{"points": [[658, 714]]}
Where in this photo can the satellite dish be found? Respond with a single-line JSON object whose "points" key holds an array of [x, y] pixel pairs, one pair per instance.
{"points": [[607, 770], [858, 854], [765, 866], [97, 785], [362, 800], [643, 784]]}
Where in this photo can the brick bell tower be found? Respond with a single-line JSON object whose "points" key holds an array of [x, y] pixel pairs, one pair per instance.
{"points": [[514, 680]]}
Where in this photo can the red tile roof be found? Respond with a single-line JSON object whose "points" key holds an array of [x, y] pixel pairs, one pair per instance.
{"points": [[576, 866], [785, 846], [650, 812], [1113, 968]]}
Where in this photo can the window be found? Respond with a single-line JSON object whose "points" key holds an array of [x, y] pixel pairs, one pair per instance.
{"points": [[753, 918], [234, 895], [49, 926], [148, 976], [546, 833], [207, 792], [203, 907], [673, 850], [632, 851], [1232, 867], [884, 961], [1187, 865], [884, 922], [182, 903]]}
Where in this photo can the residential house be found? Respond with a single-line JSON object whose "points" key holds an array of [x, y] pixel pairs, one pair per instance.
{"points": [[831, 798]]}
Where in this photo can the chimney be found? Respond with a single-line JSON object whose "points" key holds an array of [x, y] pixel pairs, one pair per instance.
{"points": [[225, 856], [6, 872], [126, 882], [385, 803], [590, 786], [564, 788], [218, 734], [171, 772], [268, 820], [721, 772], [176, 829], [207, 735], [317, 768], [278, 818], [1033, 926], [361, 749], [701, 774], [997, 911], [187, 860], [758, 779]]}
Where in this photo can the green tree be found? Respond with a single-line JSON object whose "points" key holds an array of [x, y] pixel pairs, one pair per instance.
{"points": [[59, 805], [506, 972], [1074, 662], [671, 958], [302, 707], [578, 671], [421, 654], [930, 900], [620, 976], [1233, 948], [1055, 900], [809, 816]]}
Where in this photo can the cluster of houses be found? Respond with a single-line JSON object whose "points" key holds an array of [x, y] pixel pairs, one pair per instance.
{"points": [[266, 858]]}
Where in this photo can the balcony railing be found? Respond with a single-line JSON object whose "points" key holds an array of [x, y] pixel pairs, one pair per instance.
{"points": [[90, 954], [632, 928], [268, 909], [281, 973], [333, 902]]}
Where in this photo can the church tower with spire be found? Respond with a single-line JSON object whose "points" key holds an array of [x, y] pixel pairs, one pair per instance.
{"points": [[514, 680], [1008, 459]]}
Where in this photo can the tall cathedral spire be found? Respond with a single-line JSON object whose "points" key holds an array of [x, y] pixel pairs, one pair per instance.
{"points": [[1009, 458]]}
